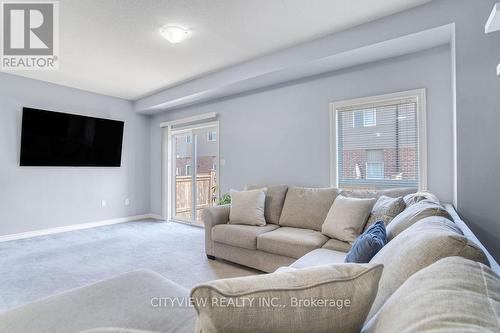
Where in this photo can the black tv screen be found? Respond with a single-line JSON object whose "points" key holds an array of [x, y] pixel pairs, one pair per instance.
{"points": [[60, 139]]}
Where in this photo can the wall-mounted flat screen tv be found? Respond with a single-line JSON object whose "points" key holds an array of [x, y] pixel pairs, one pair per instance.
{"points": [[66, 140]]}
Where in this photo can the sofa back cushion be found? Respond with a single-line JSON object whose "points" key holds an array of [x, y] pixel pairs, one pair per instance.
{"points": [[413, 214], [391, 192], [307, 207], [451, 295], [347, 291], [413, 198], [417, 247], [275, 198], [247, 207], [347, 218]]}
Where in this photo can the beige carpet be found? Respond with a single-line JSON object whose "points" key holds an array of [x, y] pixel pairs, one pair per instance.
{"points": [[38, 267]]}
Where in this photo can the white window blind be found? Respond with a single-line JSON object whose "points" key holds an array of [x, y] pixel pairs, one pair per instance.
{"points": [[383, 151]]}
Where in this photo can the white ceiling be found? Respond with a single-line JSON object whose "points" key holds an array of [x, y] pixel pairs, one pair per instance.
{"points": [[113, 47]]}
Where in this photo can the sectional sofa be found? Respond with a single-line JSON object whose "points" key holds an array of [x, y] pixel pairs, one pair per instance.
{"points": [[432, 276], [294, 215]]}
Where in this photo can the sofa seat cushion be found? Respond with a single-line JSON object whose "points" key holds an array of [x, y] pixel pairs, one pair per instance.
{"points": [[451, 295], [419, 246], [319, 257], [131, 300], [290, 242], [337, 245], [244, 236]]}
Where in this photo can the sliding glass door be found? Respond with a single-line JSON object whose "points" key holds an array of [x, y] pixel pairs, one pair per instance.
{"points": [[195, 171]]}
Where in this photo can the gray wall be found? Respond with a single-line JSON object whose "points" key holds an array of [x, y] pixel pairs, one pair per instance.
{"points": [[281, 135], [477, 100], [38, 198]]}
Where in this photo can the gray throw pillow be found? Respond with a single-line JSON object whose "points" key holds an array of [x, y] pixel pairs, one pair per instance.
{"points": [[451, 295], [307, 207], [247, 207], [282, 301], [385, 209], [417, 247], [347, 218]]}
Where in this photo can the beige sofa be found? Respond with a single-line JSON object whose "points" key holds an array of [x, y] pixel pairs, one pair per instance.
{"points": [[294, 217], [433, 280]]}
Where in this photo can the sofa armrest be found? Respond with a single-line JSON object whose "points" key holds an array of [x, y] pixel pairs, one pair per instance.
{"points": [[212, 216]]}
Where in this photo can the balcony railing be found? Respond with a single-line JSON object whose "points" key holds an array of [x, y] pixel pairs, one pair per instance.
{"points": [[205, 194]]}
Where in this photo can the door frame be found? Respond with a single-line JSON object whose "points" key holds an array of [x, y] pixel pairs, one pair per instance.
{"points": [[168, 172]]}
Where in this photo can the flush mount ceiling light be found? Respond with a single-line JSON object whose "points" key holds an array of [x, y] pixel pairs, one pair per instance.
{"points": [[174, 33]]}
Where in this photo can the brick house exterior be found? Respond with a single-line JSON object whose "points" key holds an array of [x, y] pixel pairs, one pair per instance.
{"points": [[377, 144]]}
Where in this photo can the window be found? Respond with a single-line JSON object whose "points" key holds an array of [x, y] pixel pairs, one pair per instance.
{"points": [[375, 164], [212, 136], [379, 142], [364, 118], [188, 169], [189, 139]]}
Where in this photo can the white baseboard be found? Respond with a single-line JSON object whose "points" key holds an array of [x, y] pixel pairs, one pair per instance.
{"points": [[80, 226], [156, 217]]}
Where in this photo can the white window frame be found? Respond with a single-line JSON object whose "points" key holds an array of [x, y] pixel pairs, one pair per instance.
{"points": [[209, 134], [187, 170], [419, 94], [167, 172]]}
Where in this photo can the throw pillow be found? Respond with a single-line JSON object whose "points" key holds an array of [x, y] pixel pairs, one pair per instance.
{"points": [[451, 295], [330, 298], [247, 207], [413, 214], [413, 198], [417, 247], [347, 218], [275, 198], [368, 244], [386, 209], [306, 207]]}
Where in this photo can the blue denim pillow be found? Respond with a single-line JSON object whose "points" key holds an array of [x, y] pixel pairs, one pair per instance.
{"points": [[368, 244]]}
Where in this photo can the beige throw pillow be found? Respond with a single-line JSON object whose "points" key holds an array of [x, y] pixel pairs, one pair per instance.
{"points": [[275, 198], [385, 209], [331, 298], [247, 207], [347, 217], [451, 295]]}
